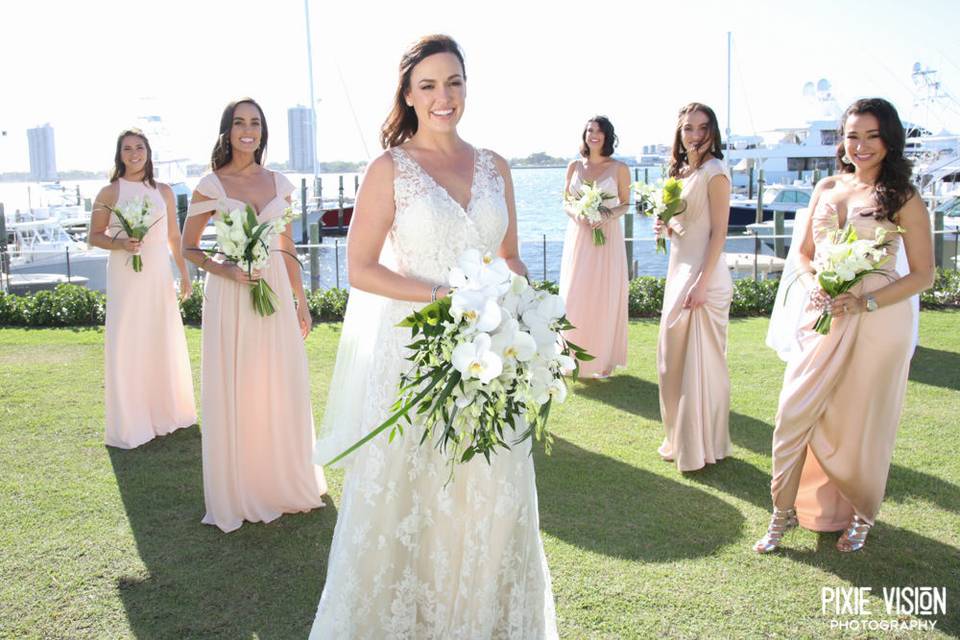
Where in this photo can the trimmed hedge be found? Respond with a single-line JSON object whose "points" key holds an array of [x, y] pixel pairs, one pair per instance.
{"points": [[73, 305]]}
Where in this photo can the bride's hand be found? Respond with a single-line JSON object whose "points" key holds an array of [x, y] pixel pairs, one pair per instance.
{"points": [[516, 265]]}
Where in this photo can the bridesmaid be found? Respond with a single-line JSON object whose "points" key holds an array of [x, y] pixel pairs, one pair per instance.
{"points": [[843, 392], [692, 347], [593, 279], [147, 377], [255, 394]]}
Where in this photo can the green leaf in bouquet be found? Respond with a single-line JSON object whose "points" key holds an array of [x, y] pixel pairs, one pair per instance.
{"points": [[251, 221]]}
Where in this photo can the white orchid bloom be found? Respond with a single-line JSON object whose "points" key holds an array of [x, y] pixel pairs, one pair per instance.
{"points": [[481, 312], [481, 272], [474, 359], [565, 363], [513, 344]]}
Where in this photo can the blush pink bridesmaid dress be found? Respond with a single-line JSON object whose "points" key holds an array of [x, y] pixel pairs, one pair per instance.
{"points": [[257, 422], [593, 284], [841, 399], [147, 376], [692, 347]]}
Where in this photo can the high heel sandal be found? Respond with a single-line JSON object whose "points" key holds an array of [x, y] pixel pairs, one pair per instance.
{"points": [[781, 521], [854, 537]]}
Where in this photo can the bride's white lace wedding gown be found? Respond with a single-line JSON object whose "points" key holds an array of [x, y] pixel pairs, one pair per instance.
{"points": [[413, 556]]}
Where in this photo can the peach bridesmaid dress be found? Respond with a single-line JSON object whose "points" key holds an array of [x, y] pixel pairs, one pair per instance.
{"points": [[147, 377], [692, 347], [593, 284], [257, 422], [841, 399]]}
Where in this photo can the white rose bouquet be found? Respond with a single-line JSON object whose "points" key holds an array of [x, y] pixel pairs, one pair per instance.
{"points": [[243, 240], [484, 358], [589, 206], [845, 261]]}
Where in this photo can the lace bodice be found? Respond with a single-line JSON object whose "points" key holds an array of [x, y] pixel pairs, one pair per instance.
{"points": [[430, 229]]}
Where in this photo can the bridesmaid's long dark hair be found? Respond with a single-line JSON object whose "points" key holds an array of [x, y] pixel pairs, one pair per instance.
{"points": [[893, 187], [679, 154], [402, 122], [223, 150], [118, 167]]}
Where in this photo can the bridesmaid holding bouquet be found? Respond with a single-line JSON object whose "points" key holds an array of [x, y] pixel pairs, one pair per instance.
{"points": [[593, 269], [692, 347], [843, 390], [147, 377], [257, 426]]}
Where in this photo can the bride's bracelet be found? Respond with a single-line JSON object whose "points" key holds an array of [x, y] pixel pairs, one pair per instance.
{"points": [[433, 294]]}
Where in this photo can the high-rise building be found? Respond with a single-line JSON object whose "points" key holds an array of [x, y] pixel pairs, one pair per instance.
{"points": [[43, 160], [300, 129]]}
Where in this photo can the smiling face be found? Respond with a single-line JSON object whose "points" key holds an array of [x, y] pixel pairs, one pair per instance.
{"points": [[594, 137], [695, 132], [862, 142], [133, 154], [247, 128], [437, 92]]}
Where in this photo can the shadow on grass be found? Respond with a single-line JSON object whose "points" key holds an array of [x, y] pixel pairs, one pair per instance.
{"points": [[260, 581], [605, 506], [893, 557], [936, 368]]}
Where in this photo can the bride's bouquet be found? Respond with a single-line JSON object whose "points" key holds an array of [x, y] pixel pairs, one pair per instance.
{"points": [[845, 261], [664, 201], [134, 216], [588, 205], [243, 240], [484, 358]]}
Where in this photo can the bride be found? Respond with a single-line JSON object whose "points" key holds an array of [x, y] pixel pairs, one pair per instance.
{"points": [[412, 555]]}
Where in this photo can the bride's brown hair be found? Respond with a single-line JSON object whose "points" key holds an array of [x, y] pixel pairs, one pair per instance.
{"points": [[402, 122]]}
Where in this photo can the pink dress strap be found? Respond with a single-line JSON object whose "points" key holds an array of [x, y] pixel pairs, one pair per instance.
{"points": [[208, 186], [283, 184]]}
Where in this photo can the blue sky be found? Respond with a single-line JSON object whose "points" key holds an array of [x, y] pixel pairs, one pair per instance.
{"points": [[536, 70]]}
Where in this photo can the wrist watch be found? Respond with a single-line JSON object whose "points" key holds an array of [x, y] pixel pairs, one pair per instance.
{"points": [[871, 302]]}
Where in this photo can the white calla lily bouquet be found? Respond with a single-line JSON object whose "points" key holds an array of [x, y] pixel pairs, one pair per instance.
{"points": [[485, 359], [245, 241], [134, 216], [845, 261], [589, 205]]}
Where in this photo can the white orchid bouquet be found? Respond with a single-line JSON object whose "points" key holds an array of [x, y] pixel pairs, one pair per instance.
{"points": [[845, 261], [589, 205], [663, 200], [134, 216], [485, 358], [245, 241]]}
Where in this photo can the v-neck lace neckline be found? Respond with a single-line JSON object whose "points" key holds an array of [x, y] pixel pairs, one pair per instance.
{"points": [[443, 189], [258, 213]]}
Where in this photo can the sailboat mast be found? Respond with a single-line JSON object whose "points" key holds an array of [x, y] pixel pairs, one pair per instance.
{"points": [[726, 156], [313, 101]]}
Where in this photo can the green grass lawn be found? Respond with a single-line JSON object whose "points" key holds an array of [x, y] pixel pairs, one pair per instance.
{"points": [[103, 543]]}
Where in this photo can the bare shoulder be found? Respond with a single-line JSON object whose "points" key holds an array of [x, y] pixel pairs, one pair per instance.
{"points": [[913, 211], [501, 163], [109, 194], [164, 189], [380, 170]]}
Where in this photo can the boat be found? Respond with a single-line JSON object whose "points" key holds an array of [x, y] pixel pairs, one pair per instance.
{"points": [[44, 247], [778, 197]]}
